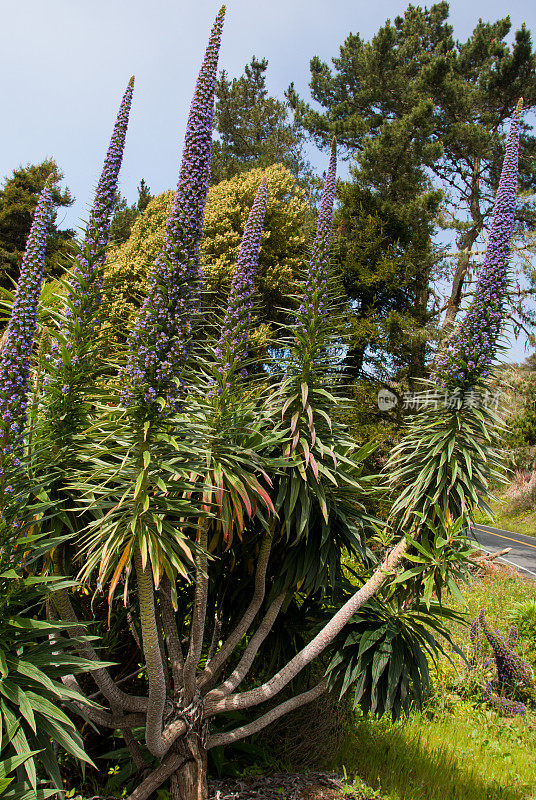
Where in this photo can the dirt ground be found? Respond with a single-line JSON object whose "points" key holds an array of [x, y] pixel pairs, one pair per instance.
{"points": [[284, 786]]}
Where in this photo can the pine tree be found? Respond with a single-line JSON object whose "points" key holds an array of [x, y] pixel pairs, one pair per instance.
{"points": [[144, 196], [254, 129], [125, 216], [423, 117]]}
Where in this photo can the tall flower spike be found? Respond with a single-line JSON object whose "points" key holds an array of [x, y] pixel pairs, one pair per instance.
{"points": [[160, 340], [87, 275], [17, 349], [314, 302], [511, 667], [233, 342], [469, 352]]}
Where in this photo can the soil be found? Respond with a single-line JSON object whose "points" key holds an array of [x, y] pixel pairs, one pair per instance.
{"points": [[283, 786]]}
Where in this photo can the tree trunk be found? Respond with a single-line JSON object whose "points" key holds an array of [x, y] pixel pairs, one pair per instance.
{"points": [[190, 781], [185, 766]]}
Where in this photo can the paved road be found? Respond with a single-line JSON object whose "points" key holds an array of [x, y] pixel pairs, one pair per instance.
{"points": [[523, 548]]}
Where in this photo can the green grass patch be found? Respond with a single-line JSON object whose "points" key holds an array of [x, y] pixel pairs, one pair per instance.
{"points": [[517, 522], [457, 748], [470, 754]]}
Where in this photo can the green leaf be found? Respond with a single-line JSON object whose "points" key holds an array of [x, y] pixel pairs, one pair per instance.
{"points": [[139, 483], [68, 738], [30, 671], [22, 748], [4, 670], [428, 589], [16, 695], [45, 707], [4, 783]]}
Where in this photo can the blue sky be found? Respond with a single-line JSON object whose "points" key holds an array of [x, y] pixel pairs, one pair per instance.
{"points": [[66, 63]]}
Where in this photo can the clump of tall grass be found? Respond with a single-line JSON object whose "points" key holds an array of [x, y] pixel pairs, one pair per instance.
{"points": [[521, 494], [466, 755]]}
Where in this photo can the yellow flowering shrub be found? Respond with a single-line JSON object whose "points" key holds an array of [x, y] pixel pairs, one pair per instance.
{"points": [[283, 251]]}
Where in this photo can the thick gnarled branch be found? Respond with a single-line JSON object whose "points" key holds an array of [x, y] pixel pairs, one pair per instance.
{"points": [[216, 664], [153, 659], [171, 633], [170, 765], [101, 676], [237, 676], [317, 645], [199, 613], [257, 725]]}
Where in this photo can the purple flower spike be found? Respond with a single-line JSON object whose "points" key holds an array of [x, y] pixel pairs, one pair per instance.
{"points": [[185, 223], [70, 373], [87, 274], [470, 350], [160, 340], [16, 353], [233, 342], [314, 301]]}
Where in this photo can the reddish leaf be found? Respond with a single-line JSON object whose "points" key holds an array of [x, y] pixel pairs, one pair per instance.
{"points": [[287, 404], [238, 508], [305, 445], [265, 496], [119, 570]]}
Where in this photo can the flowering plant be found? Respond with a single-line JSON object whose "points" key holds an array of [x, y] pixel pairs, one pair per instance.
{"points": [[214, 498]]}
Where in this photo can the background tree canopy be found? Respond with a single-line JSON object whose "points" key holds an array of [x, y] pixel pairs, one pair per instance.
{"points": [[254, 129], [283, 248], [422, 119], [125, 215]]}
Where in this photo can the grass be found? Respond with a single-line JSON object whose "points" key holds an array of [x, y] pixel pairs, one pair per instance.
{"points": [[457, 748], [517, 522], [470, 755]]}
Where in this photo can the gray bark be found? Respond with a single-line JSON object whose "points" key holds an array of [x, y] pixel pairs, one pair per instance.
{"points": [[235, 679], [262, 722], [316, 645], [171, 633], [216, 664], [199, 614], [101, 676], [153, 658]]}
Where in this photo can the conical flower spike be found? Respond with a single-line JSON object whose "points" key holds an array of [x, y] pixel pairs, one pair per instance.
{"points": [[160, 340], [469, 352], [17, 347], [185, 223], [233, 343], [87, 275], [316, 285], [70, 372]]}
